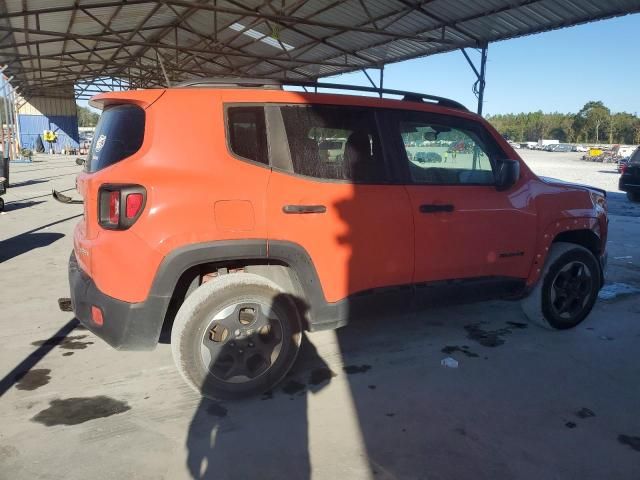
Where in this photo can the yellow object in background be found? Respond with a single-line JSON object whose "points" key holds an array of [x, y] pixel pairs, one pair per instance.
{"points": [[594, 152], [50, 136]]}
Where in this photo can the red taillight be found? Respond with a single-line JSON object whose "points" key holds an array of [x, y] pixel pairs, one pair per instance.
{"points": [[114, 207], [623, 168], [134, 204], [96, 316], [120, 206]]}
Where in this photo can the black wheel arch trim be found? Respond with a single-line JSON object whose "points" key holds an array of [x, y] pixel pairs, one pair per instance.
{"points": [[295, 256]]}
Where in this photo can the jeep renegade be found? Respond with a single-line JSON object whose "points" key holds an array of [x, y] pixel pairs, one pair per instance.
{"points": [[228, 214]]}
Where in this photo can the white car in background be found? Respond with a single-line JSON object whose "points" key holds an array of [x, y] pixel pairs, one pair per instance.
{"points": [[579, 148]]}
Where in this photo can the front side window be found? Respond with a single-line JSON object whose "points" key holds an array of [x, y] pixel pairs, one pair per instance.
{"points": [[247, 133], [334, 143], [444, 151]]}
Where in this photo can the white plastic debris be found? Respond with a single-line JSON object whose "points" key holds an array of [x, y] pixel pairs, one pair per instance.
{"points": [[613, 290], [449, 362]]}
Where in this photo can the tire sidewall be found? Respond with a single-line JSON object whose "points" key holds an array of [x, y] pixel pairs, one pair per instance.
{"points": [[575, 254], [195, 315]]}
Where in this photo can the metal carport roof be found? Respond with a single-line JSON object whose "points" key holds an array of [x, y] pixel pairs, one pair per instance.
{"points": [[50, 45]]}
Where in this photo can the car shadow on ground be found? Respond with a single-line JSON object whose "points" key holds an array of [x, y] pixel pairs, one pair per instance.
{"points": [[11, 206], [26, 183], [30, 240], [26, 365], [263, 438]]}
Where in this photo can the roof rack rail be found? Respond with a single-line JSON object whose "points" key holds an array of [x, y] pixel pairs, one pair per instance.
{"points": [[232, 82], [235, 82], [406, 96]]}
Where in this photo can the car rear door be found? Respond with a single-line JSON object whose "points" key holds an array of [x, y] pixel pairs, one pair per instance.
{"points": [[465, 228], [342, 208]]}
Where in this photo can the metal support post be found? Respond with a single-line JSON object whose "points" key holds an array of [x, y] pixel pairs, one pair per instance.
{"points": [[478, 86]]}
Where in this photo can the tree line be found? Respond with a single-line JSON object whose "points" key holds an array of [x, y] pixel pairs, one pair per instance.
{"points": [[594, 123], [87, 118]]}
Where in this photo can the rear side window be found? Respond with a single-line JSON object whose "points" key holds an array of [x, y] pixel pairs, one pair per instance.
{"points": [[119, 134], [635, 157], [334, 143], [247, 134]]}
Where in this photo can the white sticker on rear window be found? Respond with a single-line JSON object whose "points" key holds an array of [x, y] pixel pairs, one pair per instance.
{"points": [[100, 142]]}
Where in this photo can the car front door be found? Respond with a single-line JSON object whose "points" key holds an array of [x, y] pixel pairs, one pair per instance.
{"points": [[464, 227], [341, 207]]}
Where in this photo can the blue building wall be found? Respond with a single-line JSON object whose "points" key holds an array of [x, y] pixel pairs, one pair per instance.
{"points": [[65, 126]]}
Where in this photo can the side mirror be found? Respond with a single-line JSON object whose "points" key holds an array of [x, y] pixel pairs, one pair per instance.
{"points": [[80, 161], [507, 174]]}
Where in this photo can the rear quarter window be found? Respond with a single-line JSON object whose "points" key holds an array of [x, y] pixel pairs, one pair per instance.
{"points": [[119, 134], [635, 157]]}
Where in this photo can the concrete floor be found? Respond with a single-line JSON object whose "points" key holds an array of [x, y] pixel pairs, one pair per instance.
{"points": [[524, 403]]}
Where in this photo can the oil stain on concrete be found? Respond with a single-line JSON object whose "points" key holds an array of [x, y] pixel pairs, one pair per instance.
{"points": [[33, 379], [491, 338], [450, 349], [68, 343], [633, 442], [351, 369], [585, 413], [73, 411]]}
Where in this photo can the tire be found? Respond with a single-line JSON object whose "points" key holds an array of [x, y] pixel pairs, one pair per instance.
{"points": [[224, 335], [633, 196], [544, 305], [1, 204]]}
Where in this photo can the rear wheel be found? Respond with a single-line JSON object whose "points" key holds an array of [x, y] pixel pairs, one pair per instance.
{"points": [[236, 336], [567, 289], [633, 196], [1, 204]]}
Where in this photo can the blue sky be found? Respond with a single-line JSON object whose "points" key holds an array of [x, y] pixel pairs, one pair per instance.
{"points": [[556, 71], [553, 71]]}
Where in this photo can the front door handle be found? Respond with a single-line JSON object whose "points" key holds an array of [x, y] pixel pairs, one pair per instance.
{"points": [[301, 209], [427, 208]]}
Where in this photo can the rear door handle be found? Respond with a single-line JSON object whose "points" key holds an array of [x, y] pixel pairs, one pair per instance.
{"points": [[301, 209], [426, 208]]}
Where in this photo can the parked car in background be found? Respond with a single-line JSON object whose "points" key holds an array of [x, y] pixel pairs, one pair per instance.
{"points": [[427, 157], [579, 148], [622, 164], [630, 179], [563, 147]]}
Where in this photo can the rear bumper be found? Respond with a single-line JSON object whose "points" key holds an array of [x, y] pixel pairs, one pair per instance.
{"points": [[126, 326]]}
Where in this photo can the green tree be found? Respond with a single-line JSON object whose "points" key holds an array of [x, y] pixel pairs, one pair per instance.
{"points": [[86, 118], [592, 117]]}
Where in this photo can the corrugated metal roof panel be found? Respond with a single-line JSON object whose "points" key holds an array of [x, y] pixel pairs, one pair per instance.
{"points": [[320, 37]]}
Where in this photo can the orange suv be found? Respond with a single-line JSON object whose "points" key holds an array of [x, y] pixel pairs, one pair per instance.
{"points": [[236, 215]]}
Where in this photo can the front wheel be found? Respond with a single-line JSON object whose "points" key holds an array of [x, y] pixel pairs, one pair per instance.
{"points": [[236, 336], [567, 288]]}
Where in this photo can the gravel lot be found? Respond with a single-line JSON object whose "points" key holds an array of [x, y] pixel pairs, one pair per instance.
{"points": [[368, 401]]}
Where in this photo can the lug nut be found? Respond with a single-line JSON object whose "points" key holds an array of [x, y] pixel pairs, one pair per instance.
{"points": [[250, 344]]}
